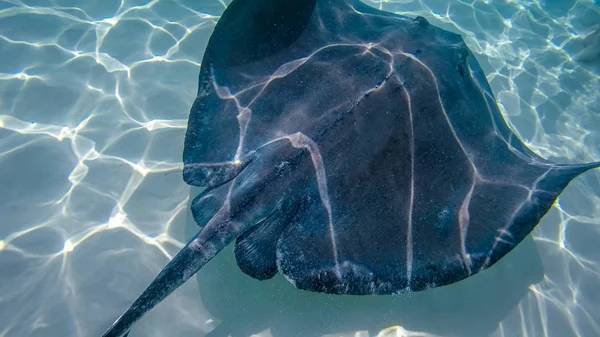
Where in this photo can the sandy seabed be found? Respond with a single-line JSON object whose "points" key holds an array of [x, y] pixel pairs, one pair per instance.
{"points": [[94, 99]]}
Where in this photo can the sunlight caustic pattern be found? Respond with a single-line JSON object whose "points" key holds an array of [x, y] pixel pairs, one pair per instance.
{"points": [[93, 107]]}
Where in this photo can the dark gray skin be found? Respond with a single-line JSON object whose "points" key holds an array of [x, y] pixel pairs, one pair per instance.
{"points": [[353, 150]]}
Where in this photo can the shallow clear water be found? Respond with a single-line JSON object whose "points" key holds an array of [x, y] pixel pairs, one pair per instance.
{"points": [[94, 98]]}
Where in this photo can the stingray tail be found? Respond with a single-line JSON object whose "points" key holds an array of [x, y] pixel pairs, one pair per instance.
{"points": [[184, 265]]}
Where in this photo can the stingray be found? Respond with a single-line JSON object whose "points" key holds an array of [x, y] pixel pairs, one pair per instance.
{"points": [[352, 150]]}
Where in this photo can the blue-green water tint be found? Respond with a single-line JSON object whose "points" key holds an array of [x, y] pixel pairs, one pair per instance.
{"points": [[109, 89]]}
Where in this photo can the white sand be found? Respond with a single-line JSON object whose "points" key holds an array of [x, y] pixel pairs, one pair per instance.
{"points": [[94, 99]]}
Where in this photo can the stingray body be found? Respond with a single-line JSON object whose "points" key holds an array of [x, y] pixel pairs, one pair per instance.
{"points": [[353, 150]]}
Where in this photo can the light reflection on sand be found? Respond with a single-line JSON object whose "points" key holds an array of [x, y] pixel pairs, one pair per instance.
{"points": [[93, 106]]}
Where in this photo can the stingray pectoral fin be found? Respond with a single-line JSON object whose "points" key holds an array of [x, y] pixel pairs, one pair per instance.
{"points": [[535, 204]]}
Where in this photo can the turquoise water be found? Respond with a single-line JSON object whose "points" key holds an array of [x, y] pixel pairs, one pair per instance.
{"points": [[94, 98]]}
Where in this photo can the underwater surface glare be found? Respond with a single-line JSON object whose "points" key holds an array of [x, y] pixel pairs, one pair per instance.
{"points": [[94, 100]]}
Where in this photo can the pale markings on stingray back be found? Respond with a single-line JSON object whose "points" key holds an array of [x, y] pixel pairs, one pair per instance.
{"points": [[243, 116], [409, 234], [245, 113], [463, 224], [512, 217], [301, 141], [464, 218], [291, 66], [298, 140], [439, 98], [378, 16], [464, 212]]}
